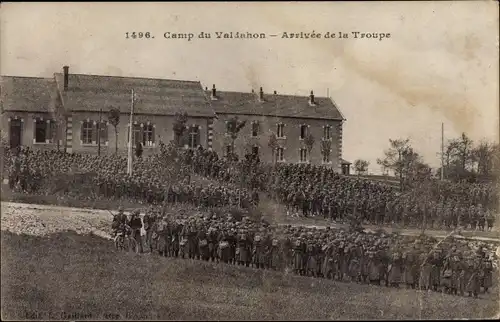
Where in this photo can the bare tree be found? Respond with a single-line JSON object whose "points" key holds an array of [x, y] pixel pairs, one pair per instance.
{"points": [[361, 166], [233, 127], [309, 142], [180, 128], [326, 148], [114, 119], [273, 145], [404, 162], [483, 156]]}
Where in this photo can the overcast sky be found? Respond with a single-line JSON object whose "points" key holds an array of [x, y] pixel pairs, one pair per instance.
{"points": [[441, 63]]}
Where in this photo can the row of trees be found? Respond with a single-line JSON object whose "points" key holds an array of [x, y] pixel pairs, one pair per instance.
{"points": [[462, 160], [465, 160]]}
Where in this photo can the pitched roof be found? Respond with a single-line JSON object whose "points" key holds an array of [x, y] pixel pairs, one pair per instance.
{"points": [[153, 96], [275, 105], [29, 94], [342, 161]]}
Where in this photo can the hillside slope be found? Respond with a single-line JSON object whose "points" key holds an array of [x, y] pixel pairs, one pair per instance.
{"points": [[81, 276]]}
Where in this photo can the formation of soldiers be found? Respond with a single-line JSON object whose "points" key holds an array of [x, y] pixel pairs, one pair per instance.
{"points": [[318, 191], [451, 266], [154, 179], [310, 190]]}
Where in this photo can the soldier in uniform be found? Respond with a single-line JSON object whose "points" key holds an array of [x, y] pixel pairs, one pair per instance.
{"points": [[472, 281], [275, 255], [410, 267], [136, 225], [258, 254], [394, 270], [203, 244], [487, 280], [374, 268], [310, 259], [299, 250], [224, 249], [175, 245], [243, 250], [149, 222], [213, 239], [436, 265]]}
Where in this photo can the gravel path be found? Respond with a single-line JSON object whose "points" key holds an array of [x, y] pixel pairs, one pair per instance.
{"points": [[42, 220]]}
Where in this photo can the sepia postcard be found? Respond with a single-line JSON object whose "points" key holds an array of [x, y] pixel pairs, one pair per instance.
{"points": [[250, 160]]}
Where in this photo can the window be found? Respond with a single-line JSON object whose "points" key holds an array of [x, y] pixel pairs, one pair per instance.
{"points": [[40, 131], [255, 129], [326, 156], [327, 132], [194, 136], [87, 132], [303, 155], [148, 137], [280, 154], [303, 131], [144, 134], [281, 130]]}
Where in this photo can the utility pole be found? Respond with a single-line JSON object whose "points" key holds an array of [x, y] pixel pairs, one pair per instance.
{"points": [[99, 133], [130, 155], [442, 151]]}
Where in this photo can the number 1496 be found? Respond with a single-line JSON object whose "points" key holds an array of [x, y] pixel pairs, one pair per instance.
{"points": [[135, 35]]}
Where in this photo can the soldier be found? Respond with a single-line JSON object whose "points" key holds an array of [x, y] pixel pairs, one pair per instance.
{"points": [[136, 225], [354, 264], [436, 265], [394, 270], [258, 253], [149, 223], [487, 280], [425, 272], [310, 259], [446, 280], [243, 250], [374, 268], [175, 245], [203, 245], [224, 250], [490, 219], [410, 269], [275, 256], [472, 281], [298, 252]]}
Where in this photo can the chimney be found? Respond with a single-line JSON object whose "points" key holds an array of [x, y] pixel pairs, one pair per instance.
{"points": [[261, 94], [311, 99], [66, 76], [253, 91], [206, 89], [214, 93], [275, 93]]}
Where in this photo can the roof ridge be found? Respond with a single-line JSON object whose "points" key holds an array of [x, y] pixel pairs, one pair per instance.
{"points": [[30, 77], [133, 77], [266, 94]]}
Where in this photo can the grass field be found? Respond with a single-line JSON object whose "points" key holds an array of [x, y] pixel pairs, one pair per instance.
{"points": [[81, 276]]}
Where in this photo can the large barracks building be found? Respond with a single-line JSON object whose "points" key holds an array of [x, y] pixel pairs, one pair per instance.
{"points": [[65, 112]]}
